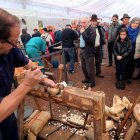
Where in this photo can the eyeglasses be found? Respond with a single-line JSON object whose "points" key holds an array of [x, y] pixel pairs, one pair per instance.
{"points": [[9, 42]]}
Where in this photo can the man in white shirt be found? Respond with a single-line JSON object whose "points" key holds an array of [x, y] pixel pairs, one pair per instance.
{"points": [[99, 40]]}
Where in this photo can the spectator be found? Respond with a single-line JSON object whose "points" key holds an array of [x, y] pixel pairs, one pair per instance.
{"points": [[125, 22], [99, 41], [58, 36], [133, 31], [87, 51], [48, 37], [122, 49], [34, 47], [112, 34], [68, 37], [36, 33], [25, 37], [52, 35]]}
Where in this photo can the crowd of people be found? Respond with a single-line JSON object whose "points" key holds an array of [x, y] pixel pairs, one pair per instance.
{"points": [[122, 42]]}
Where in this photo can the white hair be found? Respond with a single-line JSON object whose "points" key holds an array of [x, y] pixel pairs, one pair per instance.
{"points": [[85, 18]]}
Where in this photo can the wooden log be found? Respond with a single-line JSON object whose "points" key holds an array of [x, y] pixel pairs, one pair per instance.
{"points": [[136, 113], [32, 116], [103, 113], [20, 111], [20, 120], [131, 131]]}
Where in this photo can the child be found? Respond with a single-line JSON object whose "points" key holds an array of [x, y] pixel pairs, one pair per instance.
{"points": [[122, 48]]}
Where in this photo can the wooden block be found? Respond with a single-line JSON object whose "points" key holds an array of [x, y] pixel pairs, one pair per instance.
{"points": [[38, 122], [20, 120], [81, 99]]}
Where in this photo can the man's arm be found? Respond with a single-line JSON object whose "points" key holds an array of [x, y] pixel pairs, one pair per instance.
{"points": [[9, 103], [89, 36]]}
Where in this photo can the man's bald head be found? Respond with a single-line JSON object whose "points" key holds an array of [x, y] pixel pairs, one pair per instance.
{"points": [[84, 21]]}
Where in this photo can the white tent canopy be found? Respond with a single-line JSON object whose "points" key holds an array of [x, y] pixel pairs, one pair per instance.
{"points": [[74, 8], [102, 7], [65, 10]]}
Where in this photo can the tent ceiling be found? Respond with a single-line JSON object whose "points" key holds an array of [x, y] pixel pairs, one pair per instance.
{"points": [[102, 7], [75, 8]]}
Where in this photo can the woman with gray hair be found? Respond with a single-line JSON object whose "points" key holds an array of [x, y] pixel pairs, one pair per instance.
{"points": [[133, 31]]}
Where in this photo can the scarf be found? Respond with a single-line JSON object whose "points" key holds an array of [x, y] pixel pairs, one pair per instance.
{"points": [[133, 33]]}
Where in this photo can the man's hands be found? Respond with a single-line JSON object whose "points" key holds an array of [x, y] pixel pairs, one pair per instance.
{"points": [[119, 57], [35, 76], [49, 82], [32, 78], [82, 30]]}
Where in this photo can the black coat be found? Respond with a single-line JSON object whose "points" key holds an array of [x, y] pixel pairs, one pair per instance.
{"points": [[37, 34], [68, 37], [101, 33], [122, 48], [89, 36]]}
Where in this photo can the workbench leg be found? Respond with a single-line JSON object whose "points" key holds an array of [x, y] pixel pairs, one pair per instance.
{"points": [[20, 120]]}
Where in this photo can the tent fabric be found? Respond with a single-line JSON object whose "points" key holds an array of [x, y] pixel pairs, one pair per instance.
{"points": [[76, 8], [103, 7]]}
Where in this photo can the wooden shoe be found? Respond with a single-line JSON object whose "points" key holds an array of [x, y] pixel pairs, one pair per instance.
{"points": [[126, 102]]}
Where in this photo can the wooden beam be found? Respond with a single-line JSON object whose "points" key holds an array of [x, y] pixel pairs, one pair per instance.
{"points": [[20, 120]]}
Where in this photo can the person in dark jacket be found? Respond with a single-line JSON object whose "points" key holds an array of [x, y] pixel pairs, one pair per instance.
{"points": [[122, 49], [25, 37], [87, 51], [58, 36], [36, 33], [99, 41], [112, 35], [68, 37]]}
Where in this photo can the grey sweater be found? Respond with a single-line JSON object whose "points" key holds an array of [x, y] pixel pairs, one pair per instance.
{"points": [[112, 34]]}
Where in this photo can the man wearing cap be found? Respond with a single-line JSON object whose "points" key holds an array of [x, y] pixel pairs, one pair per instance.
{"points": [[125, 22], [112, 34], [99, 41]]}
